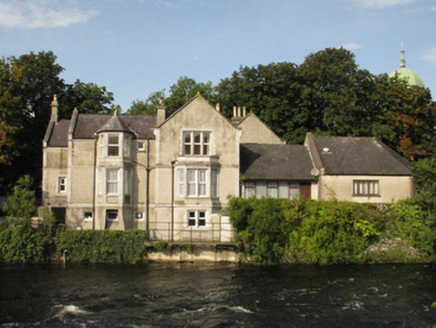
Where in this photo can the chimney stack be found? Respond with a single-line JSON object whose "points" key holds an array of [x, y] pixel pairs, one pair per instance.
{"points": [[54, 109], [160, 112]]}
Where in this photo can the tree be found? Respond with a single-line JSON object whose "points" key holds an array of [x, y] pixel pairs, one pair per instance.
{"points": [[407, 119], [27, 86], [7, 149], [20, 205], [185, 89], [340, 97], [272, 92], [87, 98], [424, 177], [148, 106]]}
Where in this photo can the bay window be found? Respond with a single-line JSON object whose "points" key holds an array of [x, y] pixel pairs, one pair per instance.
{"points": [[113, 145], [112, 181]]}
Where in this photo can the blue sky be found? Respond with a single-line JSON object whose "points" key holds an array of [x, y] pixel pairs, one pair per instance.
{"points": [[136, 47]]}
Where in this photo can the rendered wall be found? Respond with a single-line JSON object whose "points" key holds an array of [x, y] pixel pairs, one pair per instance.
{"points": [[255, 131], [391, 188]]}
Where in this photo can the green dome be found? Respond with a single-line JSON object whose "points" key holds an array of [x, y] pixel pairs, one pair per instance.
{"points": [[412, 78]]}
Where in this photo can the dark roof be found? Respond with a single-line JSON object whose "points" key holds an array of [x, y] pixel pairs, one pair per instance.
{"points": [[114, 125], [59, 136], [355, 156], [89, 124], [275, 162]]}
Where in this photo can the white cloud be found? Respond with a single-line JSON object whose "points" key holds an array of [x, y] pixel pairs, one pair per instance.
{"points": [[430, 56], [40, 14], [382, 3], [351, 46]]}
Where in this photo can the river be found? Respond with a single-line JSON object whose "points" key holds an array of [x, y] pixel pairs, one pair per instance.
{"points": [[218, 295]]}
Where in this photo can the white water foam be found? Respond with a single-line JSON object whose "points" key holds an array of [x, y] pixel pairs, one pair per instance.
{"points": [[69, 309]]}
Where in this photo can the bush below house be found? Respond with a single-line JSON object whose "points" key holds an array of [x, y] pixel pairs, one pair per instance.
{"points": [[102, 246], [25, 244], [328, 232]]}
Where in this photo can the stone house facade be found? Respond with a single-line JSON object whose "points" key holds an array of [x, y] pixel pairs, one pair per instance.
{"points": [[174, 176]]}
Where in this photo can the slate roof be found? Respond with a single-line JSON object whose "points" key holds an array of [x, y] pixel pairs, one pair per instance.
{"points": [[59, 136], [275, 162], [114, 125], [89, 124], [359, 156]]}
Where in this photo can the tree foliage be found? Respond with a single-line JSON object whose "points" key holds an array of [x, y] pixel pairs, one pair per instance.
{"points": [[327, 232], [21, 204], [185, 89], [148, 106], [330, 94], [424, 177], [27, 86]]}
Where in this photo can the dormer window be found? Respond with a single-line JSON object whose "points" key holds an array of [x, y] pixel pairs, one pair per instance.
{"points": [[196, 143], [113, 148]]}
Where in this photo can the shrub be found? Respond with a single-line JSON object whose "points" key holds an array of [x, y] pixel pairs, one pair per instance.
{"points": [[160, 245], [102, 246], [24, 244], [408, 221]]}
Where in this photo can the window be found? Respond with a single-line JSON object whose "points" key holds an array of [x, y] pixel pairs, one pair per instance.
{"points": [[113, 148], [126, 147], [196, 218], [111, 215], [196, 143], [112, 181], [214, 183], [62, 184], [365, 188], [272, 189], [140, 146], [196, 182], [182, 180], [127, 186], [139, 216], [87, 216], [250, 189], [294, 191]]}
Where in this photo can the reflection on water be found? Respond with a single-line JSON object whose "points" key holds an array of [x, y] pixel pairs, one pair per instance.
{"points": [[218, 295]]}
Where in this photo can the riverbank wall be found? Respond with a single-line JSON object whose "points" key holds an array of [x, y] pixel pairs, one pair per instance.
{"points": [[194, 253]]}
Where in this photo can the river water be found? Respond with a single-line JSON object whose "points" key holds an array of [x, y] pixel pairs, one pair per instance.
{"points": [[218, 295]]}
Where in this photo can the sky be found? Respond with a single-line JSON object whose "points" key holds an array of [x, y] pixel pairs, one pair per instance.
{"points": [[137, 47]]}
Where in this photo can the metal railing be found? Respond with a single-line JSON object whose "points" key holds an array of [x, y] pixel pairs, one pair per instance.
{"points": [[213, 233]]}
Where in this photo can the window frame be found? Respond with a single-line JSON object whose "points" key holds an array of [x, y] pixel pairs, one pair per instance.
{"points": [[198, 184], [138, 216], [264, 188], [364, 187], [86, 217], [111, 146], [112, 211], [272, 186], [140, 145], [196, 147], [199, 218], [112, 182], [62, 184]]}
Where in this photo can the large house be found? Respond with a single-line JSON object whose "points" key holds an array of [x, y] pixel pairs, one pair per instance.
{"points": [[173, 176]]}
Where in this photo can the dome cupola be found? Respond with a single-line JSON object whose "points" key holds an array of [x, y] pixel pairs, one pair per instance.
{"points": [[410, 76]]}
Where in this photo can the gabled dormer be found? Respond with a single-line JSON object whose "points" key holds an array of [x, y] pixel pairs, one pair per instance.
{"points": [[115, 140]]}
